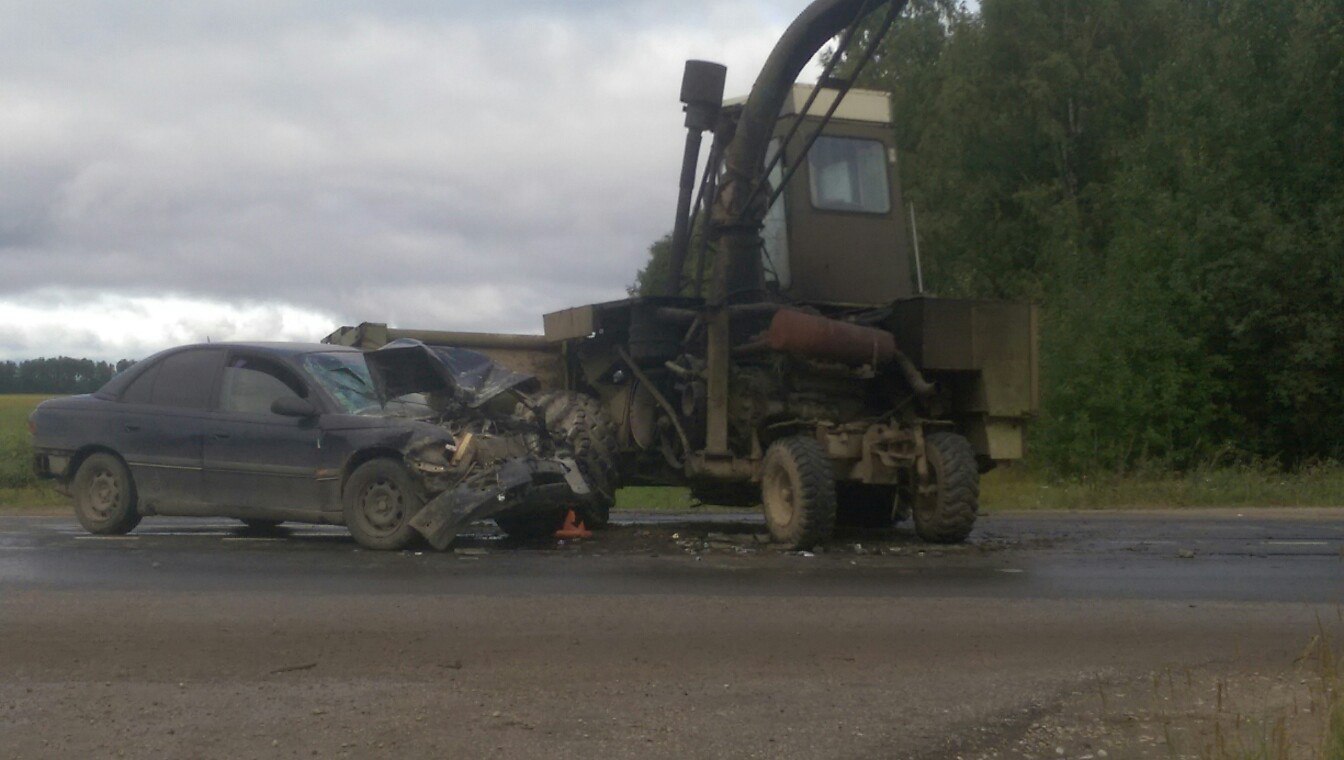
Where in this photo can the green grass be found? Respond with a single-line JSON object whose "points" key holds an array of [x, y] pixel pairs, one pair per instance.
{"points": [[1018, 488], [19, 488], [654, 498]]}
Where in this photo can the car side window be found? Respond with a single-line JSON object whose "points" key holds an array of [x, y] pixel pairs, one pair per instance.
{"points": [[185, 380], [251, 385], [141, 389]]}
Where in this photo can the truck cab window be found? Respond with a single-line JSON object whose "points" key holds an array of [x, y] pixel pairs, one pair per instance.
{"points": [[848, 174], [184, 379], [775, 233]]}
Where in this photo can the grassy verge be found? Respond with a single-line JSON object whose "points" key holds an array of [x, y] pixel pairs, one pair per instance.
{"points": [[1008, 488], [1013, 488], [19, 490], [1019, 488]]}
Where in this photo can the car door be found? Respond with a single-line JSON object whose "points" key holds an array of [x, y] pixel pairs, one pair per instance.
{"points": [[162, 416], [258, 463]]}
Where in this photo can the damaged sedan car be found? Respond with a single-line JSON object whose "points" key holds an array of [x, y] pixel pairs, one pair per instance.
{"points": [[401, 442]]}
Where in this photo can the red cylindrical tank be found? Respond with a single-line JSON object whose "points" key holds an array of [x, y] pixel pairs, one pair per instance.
{"points": [[815, 337]]}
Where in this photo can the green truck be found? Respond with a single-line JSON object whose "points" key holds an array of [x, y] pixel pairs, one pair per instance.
{"points": [[792, 360]]}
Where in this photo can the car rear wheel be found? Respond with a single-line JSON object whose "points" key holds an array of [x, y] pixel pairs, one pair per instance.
{"points": [[105, 496], [380, 500]]}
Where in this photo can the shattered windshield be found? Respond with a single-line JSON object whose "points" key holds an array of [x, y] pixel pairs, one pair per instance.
{"points": [[345, 376]]}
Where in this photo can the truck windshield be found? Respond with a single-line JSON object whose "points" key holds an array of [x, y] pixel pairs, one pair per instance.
{"points": [[848, 174], [345, 377]]}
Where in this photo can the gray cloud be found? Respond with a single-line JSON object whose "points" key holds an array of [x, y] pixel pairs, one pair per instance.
{"points": [[459, 165]]}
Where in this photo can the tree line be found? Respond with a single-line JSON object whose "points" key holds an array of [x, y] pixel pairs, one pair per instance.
{"points": [[1166, 179], [59, 375]]}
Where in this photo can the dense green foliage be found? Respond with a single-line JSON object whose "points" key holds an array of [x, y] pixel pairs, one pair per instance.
{"points": [[61, 375], [652, 279], [1166, 177]]}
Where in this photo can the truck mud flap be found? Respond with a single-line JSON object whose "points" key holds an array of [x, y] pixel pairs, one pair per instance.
{"points": [[518, 484]]}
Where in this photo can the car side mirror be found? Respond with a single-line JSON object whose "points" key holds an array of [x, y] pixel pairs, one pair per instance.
{"points": [[293, 406]]}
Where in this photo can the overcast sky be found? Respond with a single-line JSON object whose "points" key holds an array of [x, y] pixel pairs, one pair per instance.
{"points": [[260, 169]]}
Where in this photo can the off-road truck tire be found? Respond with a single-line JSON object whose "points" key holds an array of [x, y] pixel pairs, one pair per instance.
{"points": [[798, 492], [587, 430], [946, 505], [379, 501], [105, 497]]}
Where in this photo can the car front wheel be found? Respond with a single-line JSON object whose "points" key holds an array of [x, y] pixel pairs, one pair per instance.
{"points": [[105, 496], [380, 500]]}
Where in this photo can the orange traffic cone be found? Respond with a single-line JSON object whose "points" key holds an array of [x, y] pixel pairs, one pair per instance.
{"points": [[572, 529]]}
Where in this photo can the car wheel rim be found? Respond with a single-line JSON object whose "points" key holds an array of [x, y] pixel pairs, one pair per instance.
{"points": [[104, 492], [382, 506]]}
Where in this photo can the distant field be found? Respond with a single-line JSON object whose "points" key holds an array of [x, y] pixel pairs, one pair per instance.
{"points": [[1013, 488], [18, 487]]}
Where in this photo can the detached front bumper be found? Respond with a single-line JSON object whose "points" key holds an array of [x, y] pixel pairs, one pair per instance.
{"points": [[516, 486]]}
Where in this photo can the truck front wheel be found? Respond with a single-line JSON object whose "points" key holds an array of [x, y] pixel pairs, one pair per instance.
{"points": [[948, 497], [798, 492], [583, 425]]}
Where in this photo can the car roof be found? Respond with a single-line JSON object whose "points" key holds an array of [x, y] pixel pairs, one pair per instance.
{"points": [[273, 347], [117, 385]]}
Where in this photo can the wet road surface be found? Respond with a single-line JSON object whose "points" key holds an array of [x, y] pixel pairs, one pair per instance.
{"points": [[669, 636]]}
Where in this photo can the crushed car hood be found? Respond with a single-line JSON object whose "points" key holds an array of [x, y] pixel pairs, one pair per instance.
{"points": [[409, 366]]}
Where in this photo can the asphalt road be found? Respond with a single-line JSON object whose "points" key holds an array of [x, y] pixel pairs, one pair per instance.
{"points": [[669, 636]]}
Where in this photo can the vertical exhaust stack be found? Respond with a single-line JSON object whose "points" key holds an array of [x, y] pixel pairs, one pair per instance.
{"points": [[702, 94]]}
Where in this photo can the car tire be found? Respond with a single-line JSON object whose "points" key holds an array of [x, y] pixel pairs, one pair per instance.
{"points": [[379, 501], [105, 497], [947, 503], [798, 492]]}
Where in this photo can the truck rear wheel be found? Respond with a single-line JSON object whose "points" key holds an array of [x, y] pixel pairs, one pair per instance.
{"points": [[798, 492], [948, 501], [586, 429]]}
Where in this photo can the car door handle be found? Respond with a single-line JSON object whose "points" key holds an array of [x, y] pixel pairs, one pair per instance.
{"points": [[219, 436], [132, 428]]}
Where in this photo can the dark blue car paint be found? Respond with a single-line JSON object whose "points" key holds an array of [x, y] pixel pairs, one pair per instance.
{"points": [[207, 461]]}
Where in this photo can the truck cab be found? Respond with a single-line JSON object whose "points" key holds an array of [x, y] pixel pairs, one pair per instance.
{"points": [[838, 232]]}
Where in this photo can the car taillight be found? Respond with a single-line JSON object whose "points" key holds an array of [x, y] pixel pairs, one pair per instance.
{"points": [[32, 426]]}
